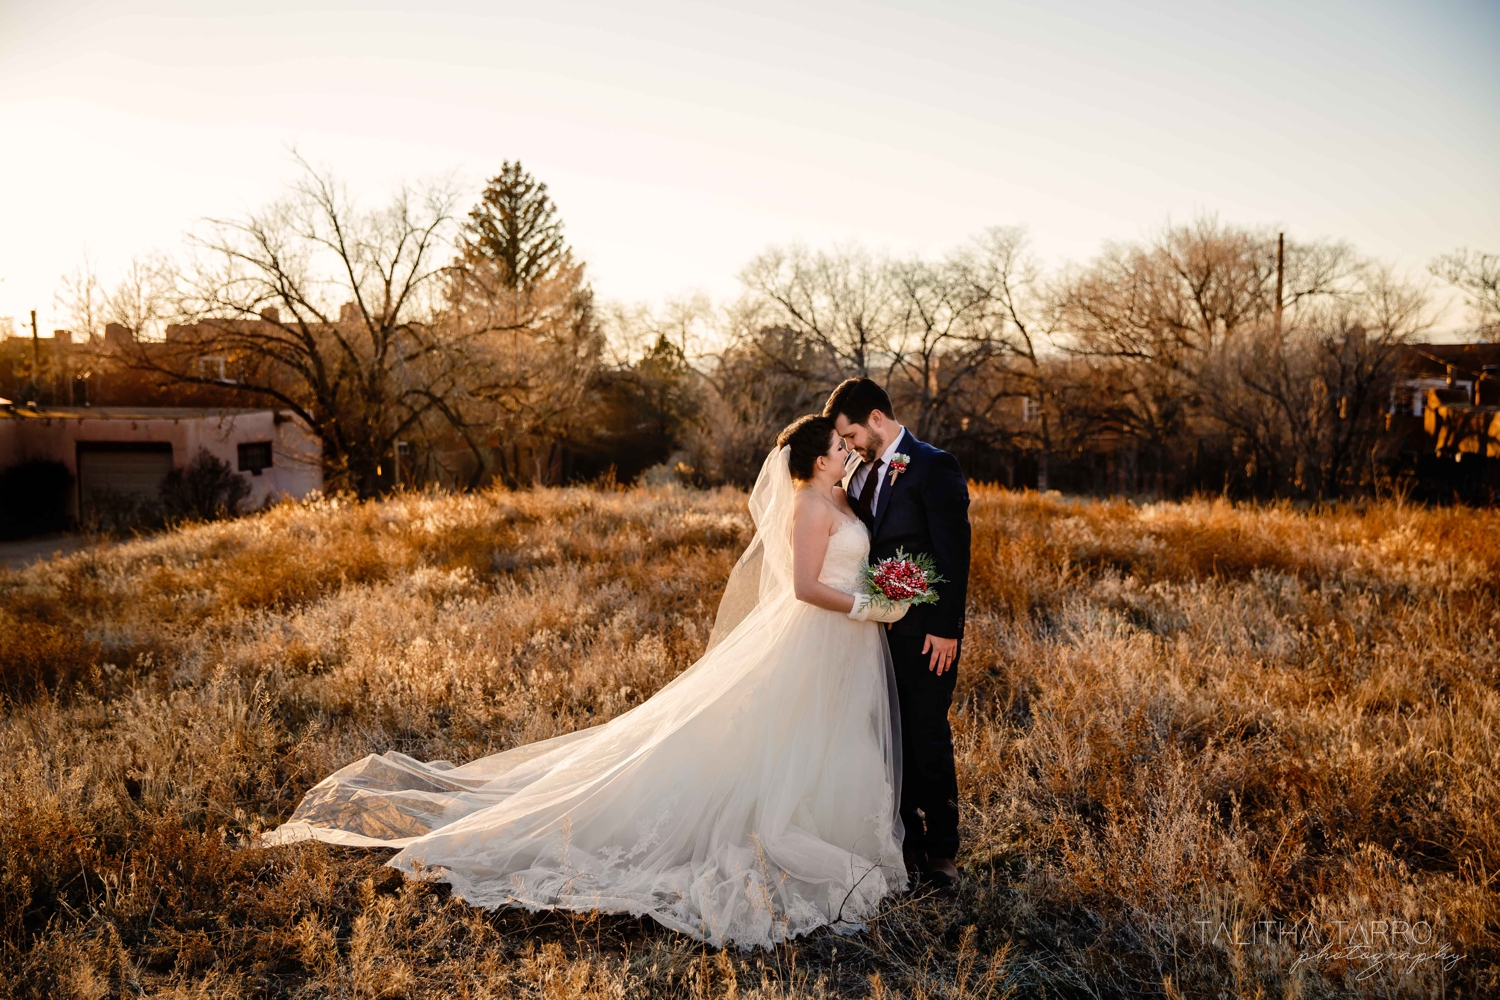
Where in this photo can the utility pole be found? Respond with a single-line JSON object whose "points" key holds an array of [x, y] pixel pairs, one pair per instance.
{"points": [[1280, 258], [36, 360]]}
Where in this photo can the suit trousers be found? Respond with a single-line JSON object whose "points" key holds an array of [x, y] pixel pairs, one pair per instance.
{"points": [[929, 783]]}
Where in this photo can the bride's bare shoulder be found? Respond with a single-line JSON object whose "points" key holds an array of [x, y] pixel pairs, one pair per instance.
{"points": [[809, 508], [806, 501], [839, 504]]}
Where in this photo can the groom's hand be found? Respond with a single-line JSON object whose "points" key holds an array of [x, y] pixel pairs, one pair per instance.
{"points": [[943, 652]]}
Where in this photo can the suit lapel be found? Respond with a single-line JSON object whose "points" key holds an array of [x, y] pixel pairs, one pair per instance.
{"points": [[888, 486]]}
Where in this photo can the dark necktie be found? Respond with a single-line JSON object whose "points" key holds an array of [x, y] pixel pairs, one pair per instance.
{"points": [[867, 492]]}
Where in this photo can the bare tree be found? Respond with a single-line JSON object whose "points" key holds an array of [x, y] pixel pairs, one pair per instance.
{"points": [[946, 330], [841, 302], [690, 323], [1004, 270], [924, 328], [328, 310], [1154, 316], [143, 299], [753, 388], [82, 299], [1477, 275], [1306, 402]]}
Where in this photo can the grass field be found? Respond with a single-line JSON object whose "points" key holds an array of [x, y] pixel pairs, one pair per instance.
{"points": [[1195, 741]]}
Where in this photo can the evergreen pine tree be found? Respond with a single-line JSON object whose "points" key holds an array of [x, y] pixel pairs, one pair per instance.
{"points": [[516, 227]]}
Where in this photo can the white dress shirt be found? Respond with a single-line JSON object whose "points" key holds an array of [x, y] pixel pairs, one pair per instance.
{"points": [[857, 481]]}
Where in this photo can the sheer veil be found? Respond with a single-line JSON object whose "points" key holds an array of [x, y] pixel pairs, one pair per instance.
{"points": [[750, 799], [764, 570], [763, 574]]}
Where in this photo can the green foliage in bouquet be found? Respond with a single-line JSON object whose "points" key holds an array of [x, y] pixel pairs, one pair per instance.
{"points": [[903, 578]]}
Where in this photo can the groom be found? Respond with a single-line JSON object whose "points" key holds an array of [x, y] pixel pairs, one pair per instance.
{"points": [[923, 507]]}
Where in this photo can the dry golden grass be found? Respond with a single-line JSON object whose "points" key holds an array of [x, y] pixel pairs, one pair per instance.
{"points": [[1173, 721]]}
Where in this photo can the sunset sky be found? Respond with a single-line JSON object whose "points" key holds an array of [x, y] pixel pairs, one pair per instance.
{"points": [[680, 139]]}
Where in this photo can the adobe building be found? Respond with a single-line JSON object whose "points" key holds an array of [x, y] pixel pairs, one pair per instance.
{"points": [[119, 431], [129, 450]]}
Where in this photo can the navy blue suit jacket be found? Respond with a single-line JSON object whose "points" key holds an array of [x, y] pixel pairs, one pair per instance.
{"points": [[926, 510]]}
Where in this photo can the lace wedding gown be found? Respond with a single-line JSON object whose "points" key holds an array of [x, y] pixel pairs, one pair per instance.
{"points": [[750, 800]]}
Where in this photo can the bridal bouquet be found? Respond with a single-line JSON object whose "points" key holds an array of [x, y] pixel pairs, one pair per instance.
{"points": [[903, 579]]}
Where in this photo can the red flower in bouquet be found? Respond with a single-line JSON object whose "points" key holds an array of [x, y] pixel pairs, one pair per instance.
{"points": [[903, 579]]}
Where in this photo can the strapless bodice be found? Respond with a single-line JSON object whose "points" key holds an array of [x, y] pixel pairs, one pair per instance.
{"points": [[843, 564]]}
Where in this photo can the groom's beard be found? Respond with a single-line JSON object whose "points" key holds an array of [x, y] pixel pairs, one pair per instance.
{"points": [[874, 449]]}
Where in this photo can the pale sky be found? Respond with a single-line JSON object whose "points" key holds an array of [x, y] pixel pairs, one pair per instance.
{"points": [[679, 140]]}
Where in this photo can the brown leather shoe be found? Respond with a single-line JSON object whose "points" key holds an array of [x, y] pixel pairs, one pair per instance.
{"points": [[942, 872]]}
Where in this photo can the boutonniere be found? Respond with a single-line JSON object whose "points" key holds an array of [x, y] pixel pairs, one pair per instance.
{"points": [[898, 465]]}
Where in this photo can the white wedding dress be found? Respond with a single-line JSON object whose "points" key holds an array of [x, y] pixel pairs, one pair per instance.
{"points": [[750, 800]]}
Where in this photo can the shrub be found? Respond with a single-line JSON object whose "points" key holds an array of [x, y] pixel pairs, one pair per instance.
{"points": [[206, 490], [116, 513]]}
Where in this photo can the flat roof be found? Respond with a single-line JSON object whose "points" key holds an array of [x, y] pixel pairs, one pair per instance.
{"points": [[128, 412]]}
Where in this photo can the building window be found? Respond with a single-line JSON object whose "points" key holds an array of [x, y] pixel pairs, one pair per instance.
{"points": [[217, 368], [254, 456], [1031, 408]]}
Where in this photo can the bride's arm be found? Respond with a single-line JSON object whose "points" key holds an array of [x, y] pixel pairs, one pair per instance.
{"points": [[812, 520]]}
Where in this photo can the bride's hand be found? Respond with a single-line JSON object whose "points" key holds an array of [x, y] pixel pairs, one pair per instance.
{"points": [[865, 610]]}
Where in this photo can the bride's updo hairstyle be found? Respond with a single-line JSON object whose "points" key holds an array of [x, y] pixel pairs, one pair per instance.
{"points": [[808, 437]]}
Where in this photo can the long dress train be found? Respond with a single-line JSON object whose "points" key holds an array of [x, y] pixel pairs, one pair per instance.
{"points": [[751, 799]]}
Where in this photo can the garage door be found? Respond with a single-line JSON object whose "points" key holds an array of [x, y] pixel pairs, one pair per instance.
{"points": [[132, 471]]}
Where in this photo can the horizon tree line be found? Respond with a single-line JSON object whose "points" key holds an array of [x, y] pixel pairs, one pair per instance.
{"points": [[1206, 357]]}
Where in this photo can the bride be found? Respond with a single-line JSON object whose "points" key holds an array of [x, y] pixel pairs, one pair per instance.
{"points": [[752, 799]]}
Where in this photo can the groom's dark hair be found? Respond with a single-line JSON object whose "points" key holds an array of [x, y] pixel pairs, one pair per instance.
{"points": [[856, 398]]}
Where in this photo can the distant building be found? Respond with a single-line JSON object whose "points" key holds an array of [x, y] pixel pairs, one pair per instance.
{"points": [[119, 431], [1446, 401], [129, 450]]}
